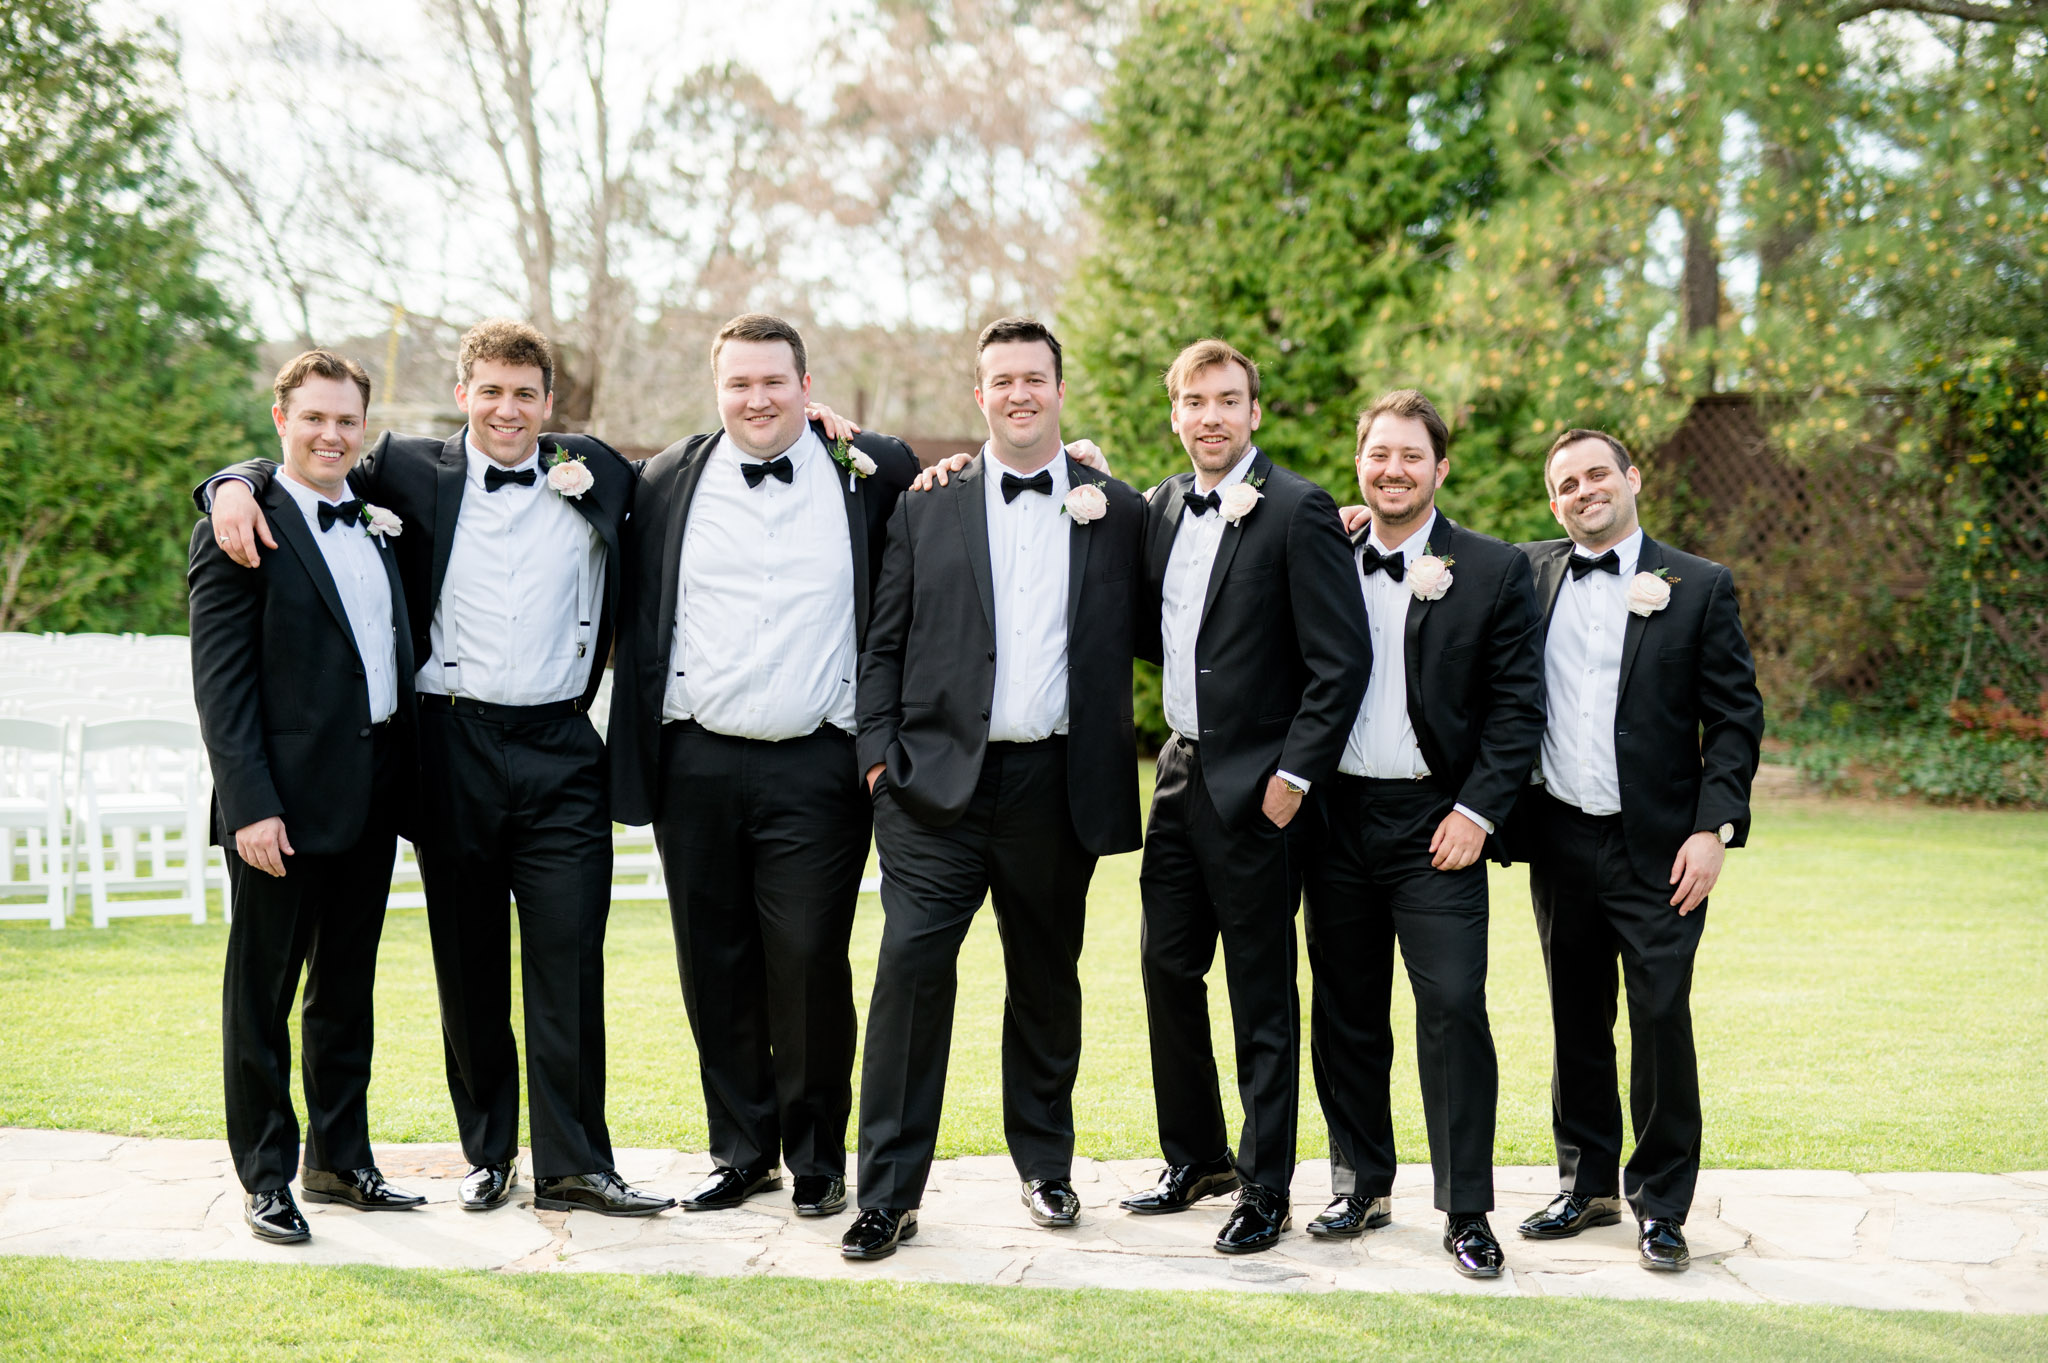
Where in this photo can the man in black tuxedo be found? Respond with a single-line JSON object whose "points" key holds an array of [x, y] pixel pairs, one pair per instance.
{"points": [[511, 570], [997, 739], [1452, 717], [302, 672], [1264, 661], [1647, 757], [749, 567]]}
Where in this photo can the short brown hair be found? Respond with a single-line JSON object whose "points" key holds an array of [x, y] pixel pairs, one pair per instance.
{"points": [[1573, 437], [1208, 353], [1019, 329], [322, 364], [508, 342], [760, 326], [1409, 403]]}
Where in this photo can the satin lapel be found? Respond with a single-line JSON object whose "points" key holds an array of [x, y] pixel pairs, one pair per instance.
{"points": [[449, 476], [285, 515], [972, 504], [1550, 573], [586, 506], [401, 625], [1078, 540], [682, 489], [1442, 543], [857, 540], [1233, 535], [1161, 547], [1648, 560]]}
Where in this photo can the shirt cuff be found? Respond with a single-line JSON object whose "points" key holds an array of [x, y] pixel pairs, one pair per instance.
{"points": [[1477, 818], [207, 491], [1291, 779]]}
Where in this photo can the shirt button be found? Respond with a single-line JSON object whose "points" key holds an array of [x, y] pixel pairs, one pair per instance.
{"points": [[362, 733]]}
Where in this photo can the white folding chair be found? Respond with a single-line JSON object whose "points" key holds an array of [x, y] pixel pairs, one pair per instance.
{"points": [[636, 866], [34, 879], [141, 800], [407, 889]]}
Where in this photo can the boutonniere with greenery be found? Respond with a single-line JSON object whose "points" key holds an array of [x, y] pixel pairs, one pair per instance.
{"points": [[1238, 500], [1429, 577], [855, 462], [1085, 502], [1650, 592], [379, 522], [567, 474]]}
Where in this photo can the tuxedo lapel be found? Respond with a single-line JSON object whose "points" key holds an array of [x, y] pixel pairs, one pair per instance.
{"points": [[1441, 543], [1168, 525], [972, 506], [285, 514], [587, 505], [449, 475], [1648, 560], [683, 487], [1233, 535], [1549, 571], [857, 541], [1079, 539], [401, 625]]}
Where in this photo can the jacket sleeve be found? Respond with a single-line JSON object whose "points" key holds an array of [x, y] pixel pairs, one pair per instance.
{"points": [[1513, 733], [256, 472], [227, 609], [879, 693], [1731, 715], [1329, 625]]}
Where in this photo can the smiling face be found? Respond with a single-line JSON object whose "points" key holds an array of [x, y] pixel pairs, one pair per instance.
{"points": [[1214, 414], [761, 395], [1399, 473], [320, 425], [1592, 498], [506, 405], [1020, 394]]}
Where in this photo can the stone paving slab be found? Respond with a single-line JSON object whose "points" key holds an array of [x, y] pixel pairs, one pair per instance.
{"points": [[1896, 1241]]}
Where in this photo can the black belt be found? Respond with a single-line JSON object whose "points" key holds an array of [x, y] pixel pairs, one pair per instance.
{"points": [[691, 726], [1381, 785], [1575, 812], [1045, 744], [502, 714]]}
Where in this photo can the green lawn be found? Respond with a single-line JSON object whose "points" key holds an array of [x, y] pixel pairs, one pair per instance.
{"points": [[57, 1309], [1868, 997]]}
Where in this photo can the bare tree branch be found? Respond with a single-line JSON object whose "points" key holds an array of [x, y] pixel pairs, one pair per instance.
{"points": [[2031, 14]]}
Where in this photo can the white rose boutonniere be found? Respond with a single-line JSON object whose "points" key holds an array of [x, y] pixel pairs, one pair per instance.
{"points": [[1429, 577], [1238, 500], [567, 474], [856, 462], [1649, 592], [380, 521], [1086, 503]]}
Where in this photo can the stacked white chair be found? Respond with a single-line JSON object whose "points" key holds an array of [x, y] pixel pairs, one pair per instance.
{"points": [[142, 802], [35, 879]]}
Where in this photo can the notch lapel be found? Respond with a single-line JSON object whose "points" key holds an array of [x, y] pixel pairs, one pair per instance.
{"points": [[1648, 560], [972, 505], [1233, 535], [682, 490], [1160, 547], [449, 475], [1078, 541], [284, 513]]}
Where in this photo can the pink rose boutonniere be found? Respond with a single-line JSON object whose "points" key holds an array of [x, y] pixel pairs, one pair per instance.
{"points": [[1650, 592], [1429, 577], [1238, 500], [568, 476], [1086, 503], [380, 521]]}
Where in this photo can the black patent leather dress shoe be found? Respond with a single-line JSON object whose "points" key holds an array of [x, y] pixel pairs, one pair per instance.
{"points": [[604, 1193], [1468, 1239], [1568, 1214], [876, 1232], [1181, 1186], [730, 1185], [361, 1188], [818, 1194], [273, 1216], [1052, 1202], [1348, 1215], [486, 1186], [1661, 1242], [1255, 1222]]}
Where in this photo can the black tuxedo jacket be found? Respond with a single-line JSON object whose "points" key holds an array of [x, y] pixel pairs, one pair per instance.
{"points": [[1475, 672], [652, 563], [1688, 720], [1282, 657], [422, 479], [283, 701], [928, 669]]}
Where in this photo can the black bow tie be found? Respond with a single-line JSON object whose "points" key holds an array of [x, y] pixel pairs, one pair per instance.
{"points": [[1040, 481], [348, 513], [758, 469], [1371, 560], [1609, 562], [495, 478], [1201, 502]]}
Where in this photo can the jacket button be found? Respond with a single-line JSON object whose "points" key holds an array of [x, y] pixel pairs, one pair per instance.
{"points": [[362, 733], [984, 714], [991, 655]]}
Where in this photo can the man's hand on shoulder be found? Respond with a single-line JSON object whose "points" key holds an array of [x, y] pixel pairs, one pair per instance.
{"points": [[937, 474], [238, 524], [836, 426], [1355, 518]]}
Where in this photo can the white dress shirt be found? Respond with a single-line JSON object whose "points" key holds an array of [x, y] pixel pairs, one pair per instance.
{"points": [[358, 572], [517, 620], [1382, 745], [763, 644], [1582, 679], [1028, 543]]}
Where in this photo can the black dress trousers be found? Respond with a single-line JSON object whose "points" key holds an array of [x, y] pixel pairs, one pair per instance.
{"points": [[1370, 884], [1592, 908], [763, 844], [325, 915], [518, 809], [1201, 882], [1016, 846]]}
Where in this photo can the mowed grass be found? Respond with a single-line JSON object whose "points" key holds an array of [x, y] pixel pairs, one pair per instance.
{"points": [[58, 1309], [1869, 997]]}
